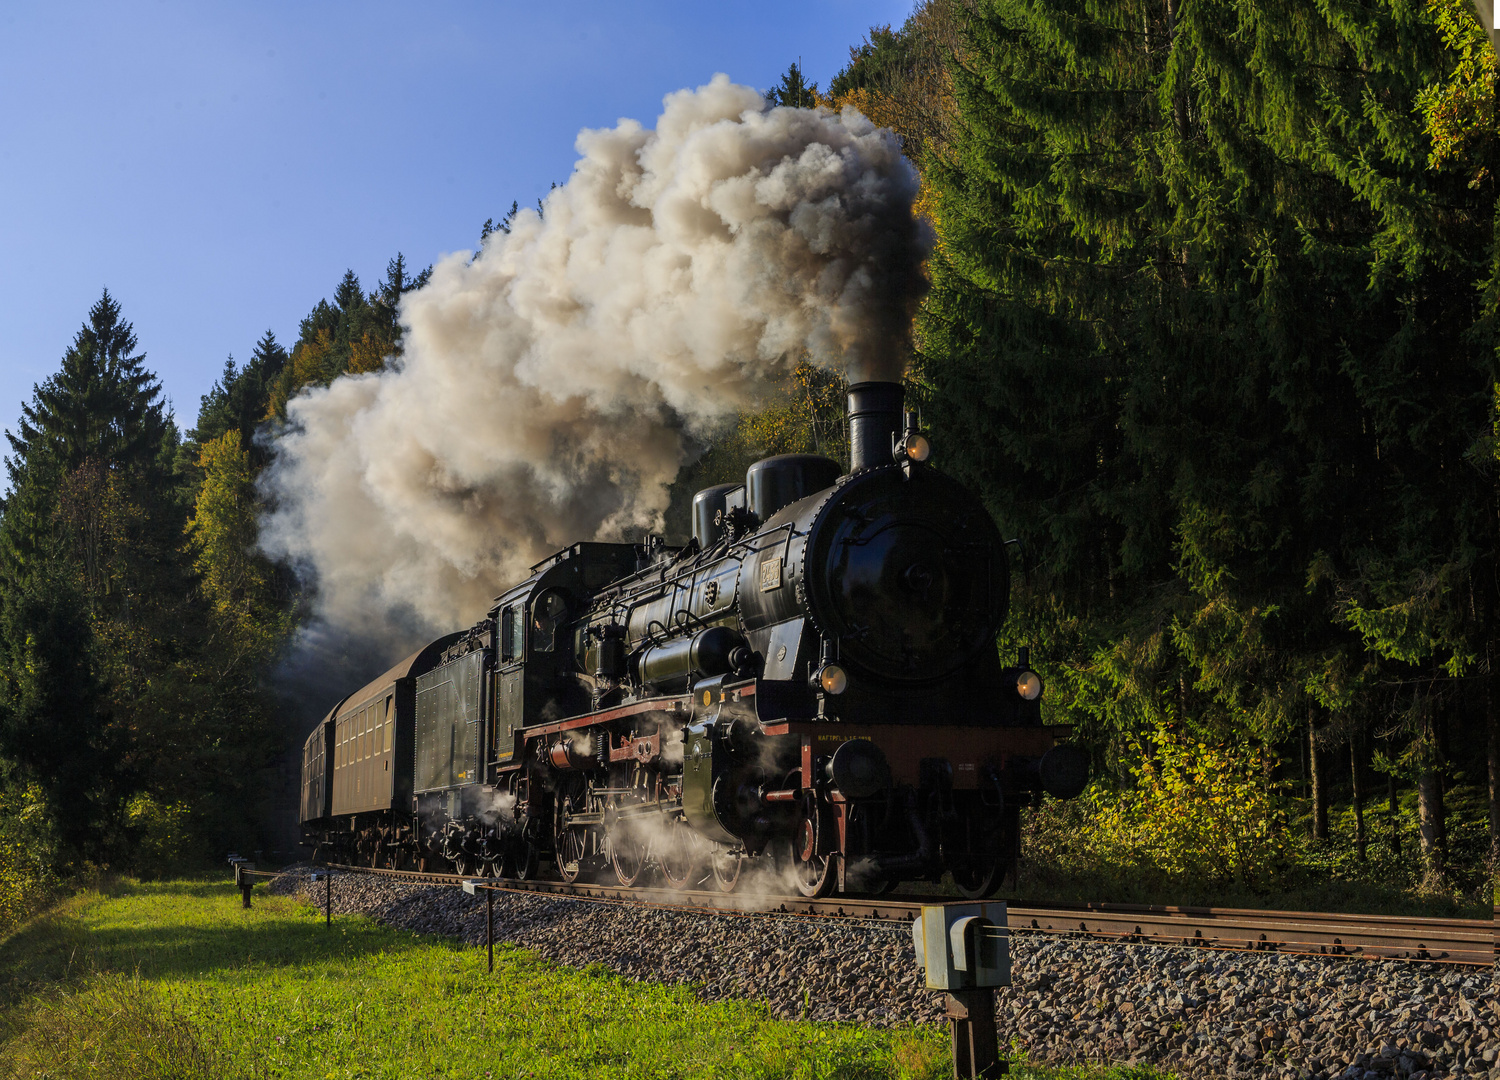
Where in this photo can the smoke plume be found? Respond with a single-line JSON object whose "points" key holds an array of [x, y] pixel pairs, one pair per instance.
{"points": [[547, 383]]}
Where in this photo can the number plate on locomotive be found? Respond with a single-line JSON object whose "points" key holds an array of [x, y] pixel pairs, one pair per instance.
{"points": [[770, 575]]}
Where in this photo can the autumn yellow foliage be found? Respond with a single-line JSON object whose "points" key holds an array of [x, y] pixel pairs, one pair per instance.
{"points": [[1459, 113], [164, 838], [27, 880], [222, 536], [1197, 811]]}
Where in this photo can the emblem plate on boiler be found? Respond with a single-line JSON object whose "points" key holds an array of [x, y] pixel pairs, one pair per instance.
{"points": [[770, 575]]}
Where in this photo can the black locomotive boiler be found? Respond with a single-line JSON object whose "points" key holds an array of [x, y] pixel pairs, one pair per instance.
{"points": [[809, 687]]}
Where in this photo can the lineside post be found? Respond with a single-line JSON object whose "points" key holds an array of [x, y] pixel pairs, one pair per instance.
{"points": [[472, 887], [241, 880], [326, 876], [976, 1043], [965, 949]]}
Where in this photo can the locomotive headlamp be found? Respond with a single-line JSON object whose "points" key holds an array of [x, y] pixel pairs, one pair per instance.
{"points": [[831, 679], [1029, 685], [917, 447]]}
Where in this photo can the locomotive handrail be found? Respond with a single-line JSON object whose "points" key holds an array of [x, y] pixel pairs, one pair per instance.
{"points": [[621, 593], [619, 596], [766, 535]]}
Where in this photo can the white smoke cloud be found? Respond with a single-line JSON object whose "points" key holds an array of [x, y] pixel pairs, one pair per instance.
{"points": [[546, 383]]}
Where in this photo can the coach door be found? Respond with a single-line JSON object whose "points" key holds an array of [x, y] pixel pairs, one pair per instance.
{"points": [[510, 677]]}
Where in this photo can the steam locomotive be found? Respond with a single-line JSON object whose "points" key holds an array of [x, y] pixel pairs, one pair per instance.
{"points": [[809, 688]]}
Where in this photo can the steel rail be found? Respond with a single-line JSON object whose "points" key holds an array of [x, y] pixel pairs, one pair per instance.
{"points": [[1466, 942]]}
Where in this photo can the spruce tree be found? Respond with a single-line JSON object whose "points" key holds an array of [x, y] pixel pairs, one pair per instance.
{"points": [[54, 721], [238, 401], [1209, 334], [794, 90], [103, 405]]}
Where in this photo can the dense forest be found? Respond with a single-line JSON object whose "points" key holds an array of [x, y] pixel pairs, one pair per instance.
{"points": [[1210, 325]]}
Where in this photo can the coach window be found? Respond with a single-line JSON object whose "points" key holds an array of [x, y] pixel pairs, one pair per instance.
{"points": [[390, 723], [547, 614]]}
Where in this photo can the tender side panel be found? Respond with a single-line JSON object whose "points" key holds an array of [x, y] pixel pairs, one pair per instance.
{"points": [[364, 744], [450, 711]]}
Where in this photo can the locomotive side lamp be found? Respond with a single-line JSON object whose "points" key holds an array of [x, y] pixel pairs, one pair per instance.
{"points": [[965, 950], [912, 446], [831, 679], [917, 447], [1028, 682], [829, 676]]}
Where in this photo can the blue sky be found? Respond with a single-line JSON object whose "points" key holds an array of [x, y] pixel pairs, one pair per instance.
{"points": [[219, 166]]}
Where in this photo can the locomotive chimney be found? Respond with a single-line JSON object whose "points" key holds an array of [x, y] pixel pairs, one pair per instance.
{"points": [[874, 418]]}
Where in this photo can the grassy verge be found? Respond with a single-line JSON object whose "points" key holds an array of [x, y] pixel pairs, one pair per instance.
{"points": [[174, 980]]}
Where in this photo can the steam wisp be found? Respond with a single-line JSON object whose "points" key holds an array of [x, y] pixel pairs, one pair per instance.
{"points": [[548, 383]]}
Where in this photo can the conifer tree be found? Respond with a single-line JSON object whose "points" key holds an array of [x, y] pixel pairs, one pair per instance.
{"points": [[353, 334], [794, 90], [103, 404], [54, 724], [1207, 331], [239, 399]]}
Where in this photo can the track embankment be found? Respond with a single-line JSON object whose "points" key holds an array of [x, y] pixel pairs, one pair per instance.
{"points": [[1202, 1012]]}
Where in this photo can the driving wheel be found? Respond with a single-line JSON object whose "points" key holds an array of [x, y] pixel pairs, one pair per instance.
{"points": [[569, 842], [521, 861], [680, 854], [812, 869], [978, 859], [628, 847], [726, 866]]}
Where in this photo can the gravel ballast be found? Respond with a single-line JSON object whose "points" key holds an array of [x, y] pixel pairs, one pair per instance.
{"points": [[1197, 1012]]}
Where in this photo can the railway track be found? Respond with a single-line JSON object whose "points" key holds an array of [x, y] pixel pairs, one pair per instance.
{"points": [[1467, 942]]}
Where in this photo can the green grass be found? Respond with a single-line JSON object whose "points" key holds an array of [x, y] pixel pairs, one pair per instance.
{"points": [[174, 981]]}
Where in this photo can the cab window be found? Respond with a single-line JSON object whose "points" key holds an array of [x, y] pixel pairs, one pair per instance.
{"points": [[547, 615]]}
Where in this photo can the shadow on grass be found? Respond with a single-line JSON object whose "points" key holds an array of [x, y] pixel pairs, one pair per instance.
{"points": [[182, 929]]}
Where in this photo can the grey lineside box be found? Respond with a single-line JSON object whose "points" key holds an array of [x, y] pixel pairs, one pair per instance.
{"points": [[963, 946]]}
